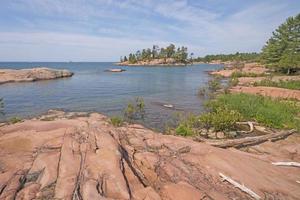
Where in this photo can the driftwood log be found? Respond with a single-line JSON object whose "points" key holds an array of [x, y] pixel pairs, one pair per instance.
{"points": [[240, 186], [290, 164], [250, 141]]}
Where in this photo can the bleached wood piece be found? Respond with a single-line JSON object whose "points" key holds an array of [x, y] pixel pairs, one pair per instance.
{"points": [[250, 141], [241, 187], [292, 164]]}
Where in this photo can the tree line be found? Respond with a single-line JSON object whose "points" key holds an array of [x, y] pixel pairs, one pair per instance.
{"points": [[179, 54], [251, 57]]}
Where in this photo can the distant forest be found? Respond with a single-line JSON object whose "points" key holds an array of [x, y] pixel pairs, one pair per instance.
{"points": [[253, 57], [179, 54]]}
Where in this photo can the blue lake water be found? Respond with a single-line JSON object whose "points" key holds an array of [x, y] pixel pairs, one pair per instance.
{"points": [[93, 89]]}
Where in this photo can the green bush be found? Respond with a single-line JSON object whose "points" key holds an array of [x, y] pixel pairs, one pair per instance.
{"points": [[184, 130], [221, 119], [294, 85], [116, 121], [214, 84], [188, 125], [267, 111], [14, 120], [135, 109], [238, 74]]}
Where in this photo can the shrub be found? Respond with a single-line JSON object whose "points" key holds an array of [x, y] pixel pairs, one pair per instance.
{"points": [[221, 119], [116, 121], [270, 112], [238, 74], [184, 130], [14, 120], [188, 125], [214, 85], [201, 92], [135, 109]]}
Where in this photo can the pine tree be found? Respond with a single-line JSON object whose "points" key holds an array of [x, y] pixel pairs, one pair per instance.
{"points": [[282, 50]]}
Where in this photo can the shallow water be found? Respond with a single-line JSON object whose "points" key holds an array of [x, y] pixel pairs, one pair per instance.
{"points": [[93, 89]]}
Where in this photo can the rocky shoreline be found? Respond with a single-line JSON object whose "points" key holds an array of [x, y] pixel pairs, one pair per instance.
{"points": [[82, 156], [34, 74], [154, 62]]}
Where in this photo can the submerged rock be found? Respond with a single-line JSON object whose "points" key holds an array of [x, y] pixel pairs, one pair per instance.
{"points": [[34, 74], [85, 157]]}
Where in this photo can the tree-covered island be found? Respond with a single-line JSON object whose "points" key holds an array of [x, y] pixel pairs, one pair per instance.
{"points": [[170, 55]]}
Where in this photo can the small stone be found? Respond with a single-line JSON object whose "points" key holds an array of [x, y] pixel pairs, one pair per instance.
{"points": [[220, 135]]}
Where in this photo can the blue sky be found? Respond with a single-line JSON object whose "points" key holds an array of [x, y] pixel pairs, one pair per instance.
{"points": [[103, 30]]}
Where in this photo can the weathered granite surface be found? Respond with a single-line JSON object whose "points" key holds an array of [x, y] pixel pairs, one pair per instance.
{"points": [[79, 156], [34, 74]]}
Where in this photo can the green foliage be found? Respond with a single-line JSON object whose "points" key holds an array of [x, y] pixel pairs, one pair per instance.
{"points": [[214, 84], [264, 110], [238, 74], [14, 120], [293, 85], [117, 121], [135, 109], [248, 57], [234, 81], [188, 125], [180, 54], [221, 119], [184, 130], [282, 50]]}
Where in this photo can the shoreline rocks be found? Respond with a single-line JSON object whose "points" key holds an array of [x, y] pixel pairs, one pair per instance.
{"points": [[33, 74], [70, 156], [155, 62]]}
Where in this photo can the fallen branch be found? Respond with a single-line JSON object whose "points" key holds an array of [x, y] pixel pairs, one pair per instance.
{"points": [[241, 187], [250, 141], [292, 164], [250, 124]]}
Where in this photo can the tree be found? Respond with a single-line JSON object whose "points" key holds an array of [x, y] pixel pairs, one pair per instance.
{"points": [[155, 50], [125, 59], [282, 50]]}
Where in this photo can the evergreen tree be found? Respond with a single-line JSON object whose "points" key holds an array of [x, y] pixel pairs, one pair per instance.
{"points": [[282, 50]]}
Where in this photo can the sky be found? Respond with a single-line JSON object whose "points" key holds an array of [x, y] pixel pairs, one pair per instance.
{"points": [[104, 30]]}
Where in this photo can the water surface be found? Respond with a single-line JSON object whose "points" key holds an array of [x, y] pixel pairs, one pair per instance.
{"points": [[93, 89]]}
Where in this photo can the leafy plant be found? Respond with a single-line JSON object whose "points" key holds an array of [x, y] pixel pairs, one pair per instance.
{"points": [[135, 109], [221, 119], [117, 121], [15, 120]]}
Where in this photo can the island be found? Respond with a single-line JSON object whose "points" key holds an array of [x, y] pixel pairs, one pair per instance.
{"points": [[33, 74], [170, 55]]}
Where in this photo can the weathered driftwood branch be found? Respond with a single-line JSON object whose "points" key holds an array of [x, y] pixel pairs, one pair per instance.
{"points": [[241, 187], [250, 141], [292, 164], [250, 124]]}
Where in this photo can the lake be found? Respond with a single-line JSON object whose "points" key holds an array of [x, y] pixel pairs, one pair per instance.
{"points": [[93, 89]]}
